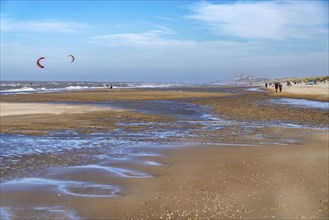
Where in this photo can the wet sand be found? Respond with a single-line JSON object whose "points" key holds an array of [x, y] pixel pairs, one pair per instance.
{"points": [[257, 106], [216, 181], [244, 105], [197, 182], [212, 182], [28, 117]]}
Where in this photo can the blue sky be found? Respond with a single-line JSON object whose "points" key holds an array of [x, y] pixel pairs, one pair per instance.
{"points": [[186, 41]]}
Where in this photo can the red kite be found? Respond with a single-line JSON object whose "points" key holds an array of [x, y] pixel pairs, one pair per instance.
{"points": [[38, 62]]}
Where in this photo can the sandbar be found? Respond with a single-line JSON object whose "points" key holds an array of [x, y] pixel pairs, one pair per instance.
{"points": [[10, 109]]}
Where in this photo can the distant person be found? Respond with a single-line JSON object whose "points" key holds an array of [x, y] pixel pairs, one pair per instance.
{"points": [[276, 86], [280, 87], [266, 85], [108, 85]]}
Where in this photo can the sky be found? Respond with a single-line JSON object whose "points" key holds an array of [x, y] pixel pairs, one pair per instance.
{"points": [[163, 41]]}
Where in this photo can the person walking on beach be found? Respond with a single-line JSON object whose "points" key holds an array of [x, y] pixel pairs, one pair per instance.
{"points": [[266, 85], [276, 86], [280, 87]]}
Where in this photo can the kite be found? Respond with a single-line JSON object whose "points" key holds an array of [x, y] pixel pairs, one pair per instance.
{"points": [[72, 58], [38, 62]]}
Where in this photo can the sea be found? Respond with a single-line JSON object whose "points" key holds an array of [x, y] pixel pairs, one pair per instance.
{"points": [[25, 87]]}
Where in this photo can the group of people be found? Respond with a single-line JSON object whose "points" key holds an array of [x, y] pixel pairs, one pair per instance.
{"points": [[277, 86]]}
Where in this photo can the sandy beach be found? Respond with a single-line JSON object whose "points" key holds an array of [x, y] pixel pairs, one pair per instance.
{"points": [[249, 159], [320, 91]]}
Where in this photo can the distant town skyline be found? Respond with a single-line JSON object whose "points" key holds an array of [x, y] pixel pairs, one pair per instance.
{"points": [[163, 41]]}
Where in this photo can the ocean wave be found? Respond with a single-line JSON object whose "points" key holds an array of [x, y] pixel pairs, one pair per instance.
{"points": [[9, 84], [24, 87], [146, 85], [25, 90], [77, 87]]}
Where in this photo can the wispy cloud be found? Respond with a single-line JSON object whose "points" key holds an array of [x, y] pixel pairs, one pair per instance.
{"points": [[9, 25], [146, 40], [274, 20], [164, 30], [164, 18]]}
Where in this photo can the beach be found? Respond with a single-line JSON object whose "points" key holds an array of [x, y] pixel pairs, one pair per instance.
{"points": [[200, 152], [320, 91]]}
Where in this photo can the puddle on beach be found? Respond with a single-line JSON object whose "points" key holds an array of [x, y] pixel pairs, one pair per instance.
{"points": [[61, 187], [255, 89], [303, 103]]}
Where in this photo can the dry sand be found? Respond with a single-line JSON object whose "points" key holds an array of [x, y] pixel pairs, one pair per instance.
{"points": [[318, 92], [10, 109]]}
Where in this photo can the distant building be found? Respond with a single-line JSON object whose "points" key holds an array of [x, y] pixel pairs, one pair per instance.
{"points": [[248, 78]]}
